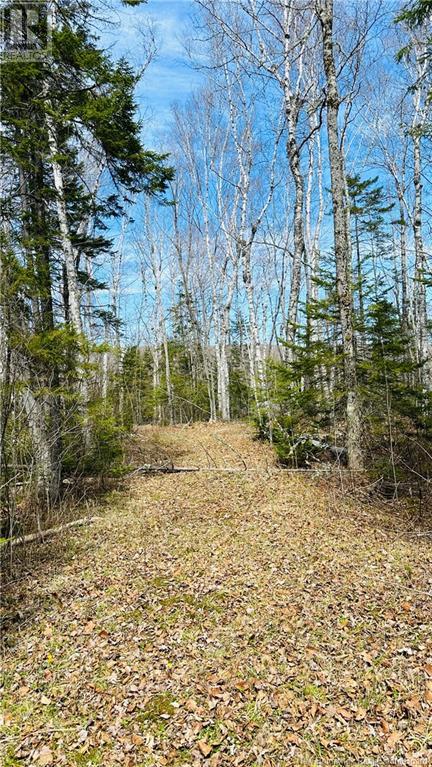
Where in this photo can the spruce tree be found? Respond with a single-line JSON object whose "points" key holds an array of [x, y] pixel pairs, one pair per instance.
{"points": [[62, 113]]}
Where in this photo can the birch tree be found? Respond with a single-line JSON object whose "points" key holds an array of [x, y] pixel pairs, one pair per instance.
{"points": [[421, 110]]}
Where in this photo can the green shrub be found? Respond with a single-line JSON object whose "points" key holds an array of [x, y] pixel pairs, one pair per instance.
{"points": [[106, 451]]}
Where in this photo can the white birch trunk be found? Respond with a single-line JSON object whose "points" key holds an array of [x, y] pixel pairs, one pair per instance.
{"points": [[70, 264], [4, 360], [222, 365], [169, 387], [47, 465], [420, 298], [156, 354], [67, 246]]}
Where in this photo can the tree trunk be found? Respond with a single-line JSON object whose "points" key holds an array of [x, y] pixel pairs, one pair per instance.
{"points": [[47, 434], [5, 368], [105, 365], [222, 368], [341, 239], [68, 249], [169, 387], [406, 301], [298, 226], [47, 463], [420, 299], [256, 366], [73, 291], [157, 409]]}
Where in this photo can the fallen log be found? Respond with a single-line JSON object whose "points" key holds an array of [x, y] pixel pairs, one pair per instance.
{"points": [[42, 534], [155, 469]]}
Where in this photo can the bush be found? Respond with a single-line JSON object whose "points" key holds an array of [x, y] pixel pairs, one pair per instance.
{"points": [[106, 452]]}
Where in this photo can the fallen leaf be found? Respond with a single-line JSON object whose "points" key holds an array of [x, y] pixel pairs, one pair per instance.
{"points": [[215, 692], [204, 747], [191, 705], [413, 703], [393, 739], [293, 738], [345, 713], [285, 698], [112, 680], [45, 756]]}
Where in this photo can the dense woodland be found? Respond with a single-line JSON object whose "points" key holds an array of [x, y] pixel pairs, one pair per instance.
{"points": [[280, 234]]}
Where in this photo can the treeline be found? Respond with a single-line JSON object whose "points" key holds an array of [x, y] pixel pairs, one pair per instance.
{"points": [[298, 238], [72, 158], [283, 272]]}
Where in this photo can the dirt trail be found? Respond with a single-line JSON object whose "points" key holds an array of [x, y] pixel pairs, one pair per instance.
{"points": [[224, 619]]}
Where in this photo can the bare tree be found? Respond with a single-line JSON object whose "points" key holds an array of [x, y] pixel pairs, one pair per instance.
{"points": [[421, 109]]}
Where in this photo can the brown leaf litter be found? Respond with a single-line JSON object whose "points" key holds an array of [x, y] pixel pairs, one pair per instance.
{"points": [[224, 619]]}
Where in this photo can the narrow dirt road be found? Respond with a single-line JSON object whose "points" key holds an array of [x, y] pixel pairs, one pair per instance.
{"points": [[247, 618]]}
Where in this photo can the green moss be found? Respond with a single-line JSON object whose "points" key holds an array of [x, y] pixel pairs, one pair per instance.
{"points": [[158, 707], [312, 691], [19, 712], [10, 760], [92, 757], [132, 616], [212, 733], [178, 599], [159, 582]]}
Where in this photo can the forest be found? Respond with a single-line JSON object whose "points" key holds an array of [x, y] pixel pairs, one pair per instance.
{"points": [[235, 291], [279, 234]]}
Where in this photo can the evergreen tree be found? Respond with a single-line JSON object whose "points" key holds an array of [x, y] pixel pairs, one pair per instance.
{"points": [[62, 114], [370, 238]]}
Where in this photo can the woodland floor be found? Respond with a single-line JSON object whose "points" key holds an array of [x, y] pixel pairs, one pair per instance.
{"points": [[252, 618]]}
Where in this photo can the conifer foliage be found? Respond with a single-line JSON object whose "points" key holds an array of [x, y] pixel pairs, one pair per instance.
{"points": [[69, 123]]}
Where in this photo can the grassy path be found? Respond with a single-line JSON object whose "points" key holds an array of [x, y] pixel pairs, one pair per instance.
{"points": [[224, 619]]}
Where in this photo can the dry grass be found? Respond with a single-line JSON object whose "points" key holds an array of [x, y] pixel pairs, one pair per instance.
{"points": [[224, 619]]}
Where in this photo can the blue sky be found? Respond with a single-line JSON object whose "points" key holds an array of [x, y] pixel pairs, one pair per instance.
{"points": [[170, 77]]}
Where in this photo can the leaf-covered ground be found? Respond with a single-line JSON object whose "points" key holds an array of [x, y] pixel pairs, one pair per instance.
{"points": [[250, 618]]}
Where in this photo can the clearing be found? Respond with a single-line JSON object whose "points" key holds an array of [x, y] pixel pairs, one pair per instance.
{"points": [[250, 618]]}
